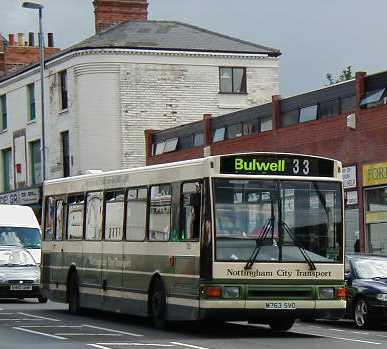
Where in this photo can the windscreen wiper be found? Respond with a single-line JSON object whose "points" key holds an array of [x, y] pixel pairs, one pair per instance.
{"points": [[306, 256], [258, 241]]}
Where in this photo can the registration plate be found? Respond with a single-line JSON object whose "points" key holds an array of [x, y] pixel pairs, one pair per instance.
{"points": [[280, 305], [21, 287]]}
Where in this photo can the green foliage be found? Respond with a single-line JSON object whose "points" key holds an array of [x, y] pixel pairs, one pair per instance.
{"points": [[345, 75]]}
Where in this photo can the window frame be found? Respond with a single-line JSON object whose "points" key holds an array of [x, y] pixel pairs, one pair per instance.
{"points": [[63, 90], [32, 162], [244, 81], [84, 216], [61, 198], [3, 112], [8, 187], [316, 106], [124, 190], [236, 124]]}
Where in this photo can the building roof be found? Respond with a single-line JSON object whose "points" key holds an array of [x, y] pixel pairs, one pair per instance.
{"points": [[167, 35]]}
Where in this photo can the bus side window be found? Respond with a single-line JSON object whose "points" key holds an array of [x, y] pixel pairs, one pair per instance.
{"points": [[191, 199], [160, 212], [94, 207], [75, 210], [59, 220], [136, 214], [50, 219], [114, 215]]}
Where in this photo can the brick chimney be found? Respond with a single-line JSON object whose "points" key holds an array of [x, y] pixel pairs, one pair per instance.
{"points": [[111, 12]]}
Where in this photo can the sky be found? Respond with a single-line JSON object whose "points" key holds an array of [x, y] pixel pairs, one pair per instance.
{"points": [[314, 36]]}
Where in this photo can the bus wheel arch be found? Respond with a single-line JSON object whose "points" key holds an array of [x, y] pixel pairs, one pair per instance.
{"points": [[157, 302]]}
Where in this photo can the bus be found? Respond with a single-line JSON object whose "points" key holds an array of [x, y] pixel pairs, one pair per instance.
{"points": [[255, 237]]}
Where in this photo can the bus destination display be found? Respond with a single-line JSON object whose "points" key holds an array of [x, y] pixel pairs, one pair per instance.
{"points": [[286, 165]]}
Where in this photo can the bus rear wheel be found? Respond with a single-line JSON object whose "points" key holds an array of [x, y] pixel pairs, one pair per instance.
{"points": [[73, 294], [158, 305], [281, 324]]}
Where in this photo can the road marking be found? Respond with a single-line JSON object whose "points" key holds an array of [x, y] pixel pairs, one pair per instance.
{"points": [[50, 326], [39, 317], [333, 337], [336, 329], [188, 345], [360, 332], [381, 336], [98, 346], [20, 319], [103, 345], [88, 334], [36, 332], [114, 331]]}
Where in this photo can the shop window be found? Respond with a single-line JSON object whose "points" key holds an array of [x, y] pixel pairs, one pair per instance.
{"points": [[329, 108], [114, 215], [75, 217], [219, 134], [352, 229], [265, 124], [308, 113], [234, 131], [376, 199], [232, 80], [160, 212], [290, 118], [250, 127], [94, 207], [198, 139], [373, 98], [170, 145], [348, 104], [136, 214], [159, 148]]}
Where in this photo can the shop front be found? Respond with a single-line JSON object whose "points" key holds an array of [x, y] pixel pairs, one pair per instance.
{"points": [[26, 197], [375, 207]]}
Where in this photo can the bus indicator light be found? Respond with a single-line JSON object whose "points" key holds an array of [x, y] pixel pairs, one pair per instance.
{"points": [[213, 292], [342, 293]]}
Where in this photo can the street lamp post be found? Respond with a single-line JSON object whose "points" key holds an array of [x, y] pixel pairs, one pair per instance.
{"points": [[35, 6]]}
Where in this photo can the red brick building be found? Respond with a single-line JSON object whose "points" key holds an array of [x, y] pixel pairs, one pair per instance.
{"points": [[347, 121]]}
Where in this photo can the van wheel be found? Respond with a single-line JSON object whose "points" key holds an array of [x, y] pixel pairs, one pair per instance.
{"points": [[281, 324], [73, 294], [158, 305], [42, 299]]}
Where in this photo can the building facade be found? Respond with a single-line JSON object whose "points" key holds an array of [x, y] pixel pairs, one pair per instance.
{"points": [[101, 94], [347, 121]]}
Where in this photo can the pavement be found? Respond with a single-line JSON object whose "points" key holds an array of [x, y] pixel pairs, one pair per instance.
{"points": [[28, 324]]}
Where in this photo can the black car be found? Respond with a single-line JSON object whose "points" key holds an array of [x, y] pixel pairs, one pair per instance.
{"points": [[366, 278]]}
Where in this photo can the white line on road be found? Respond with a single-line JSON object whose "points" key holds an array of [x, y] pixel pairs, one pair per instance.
{"points": [[88, 334], [188, 345], [135, 344], [333, 337], [336, 329], [36, 332], [114, 331], [20, 319], [360, 332], [50, 326], [98, 346], [39, 317]]}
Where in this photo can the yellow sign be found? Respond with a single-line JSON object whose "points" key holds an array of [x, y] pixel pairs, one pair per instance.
{"points": [[376, 217], [375, 174]]}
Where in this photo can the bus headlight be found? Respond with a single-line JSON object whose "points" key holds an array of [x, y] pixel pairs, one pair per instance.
{"points": [[382, 297], [326, 293], [231, 292]]}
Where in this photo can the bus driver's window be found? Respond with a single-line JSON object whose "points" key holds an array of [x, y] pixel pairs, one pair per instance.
{"points": [[190, 213]]}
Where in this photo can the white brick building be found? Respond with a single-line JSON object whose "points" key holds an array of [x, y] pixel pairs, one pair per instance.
{"points": [[104, 92]]}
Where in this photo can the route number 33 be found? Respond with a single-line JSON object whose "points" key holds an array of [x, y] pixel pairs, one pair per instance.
{"points": [[302, 165]]}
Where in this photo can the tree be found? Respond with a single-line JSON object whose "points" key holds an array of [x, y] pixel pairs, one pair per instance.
{"points": [[345, 75]]}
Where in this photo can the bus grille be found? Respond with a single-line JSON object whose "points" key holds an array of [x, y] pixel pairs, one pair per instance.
{"points": [[280, 294]]}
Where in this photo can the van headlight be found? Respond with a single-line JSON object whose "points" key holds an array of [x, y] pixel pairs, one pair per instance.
{"points": [[382, 297], [231, 292]]}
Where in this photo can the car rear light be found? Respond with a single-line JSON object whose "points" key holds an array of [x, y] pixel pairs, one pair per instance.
{"points": [[213, 292], [342, 293]]}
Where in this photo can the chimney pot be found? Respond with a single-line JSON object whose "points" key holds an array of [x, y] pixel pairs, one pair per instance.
{"points": [[50, 39], [31, 39], [20, 39], [11, 39]]}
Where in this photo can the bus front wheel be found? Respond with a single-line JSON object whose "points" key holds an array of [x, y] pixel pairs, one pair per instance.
{"points": [[73, 294], [158, 305], [281, 324]]}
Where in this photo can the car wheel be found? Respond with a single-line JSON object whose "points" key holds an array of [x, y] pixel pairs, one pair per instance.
{"points": [[73, 294], [158, 305], [281, 324], [361, 314], [42, 299]]}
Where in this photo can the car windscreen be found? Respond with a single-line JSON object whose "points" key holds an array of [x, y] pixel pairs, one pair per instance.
{"points": [[14, 258], [20, 236], [371, 268]]}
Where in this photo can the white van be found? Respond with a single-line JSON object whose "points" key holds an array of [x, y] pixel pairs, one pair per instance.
{"points": [[19, 227]]}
